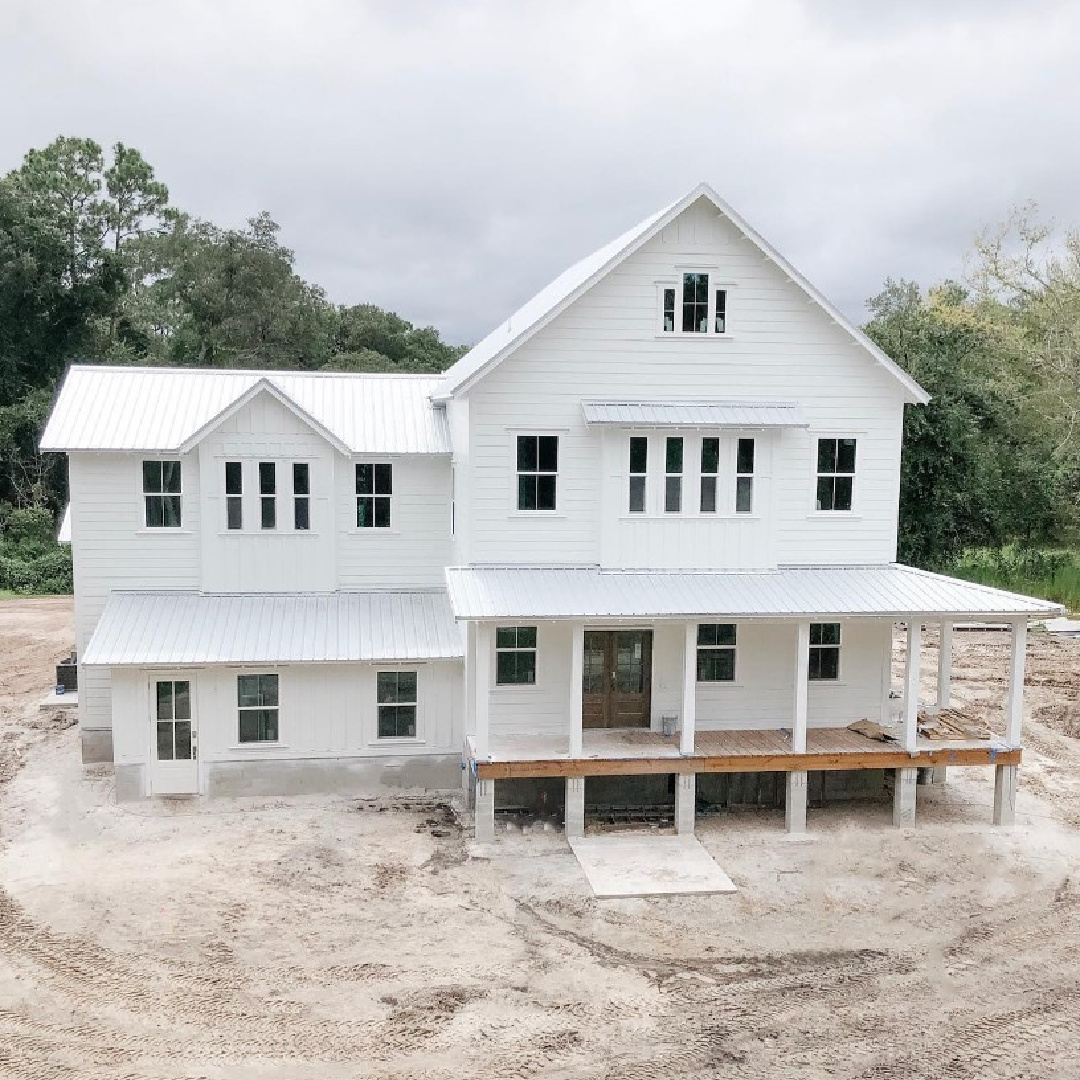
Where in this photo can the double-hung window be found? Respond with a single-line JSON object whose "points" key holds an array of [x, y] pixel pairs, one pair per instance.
{"points": [[835, 473], [301, 486], [374, 489], [257, 705], [710, 466], [744, 477], [716, 652], [639, 465], [515, 655], [396, 698], [234, 494], [537, 471], [162, 494], [673, 474], [824, 651], [720, 312], [268, 494]]}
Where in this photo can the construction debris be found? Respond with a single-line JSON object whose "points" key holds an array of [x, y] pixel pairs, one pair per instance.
{"points": [[872, 730], [951, 724]]}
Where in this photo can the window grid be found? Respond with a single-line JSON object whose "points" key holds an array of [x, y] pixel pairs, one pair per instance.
{"points": [[716, 644], [744, 477], [639, 465], [824, 652], [710, 466], [162, 494], [720, 312], [257, 708], [695, 303], [396, 694], [673, 467], [835, 474], [268, 494], [669, 311], [173, 718], [374, 489], [537, 471], [301, 485], [234, 495], [515, 655]]}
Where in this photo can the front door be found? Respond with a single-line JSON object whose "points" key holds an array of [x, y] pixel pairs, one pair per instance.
{"points": [[175, 768], [617, 679]]}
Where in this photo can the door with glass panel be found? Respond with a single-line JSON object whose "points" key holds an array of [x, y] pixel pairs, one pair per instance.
{"points": [[174, 766], [617, 679]]}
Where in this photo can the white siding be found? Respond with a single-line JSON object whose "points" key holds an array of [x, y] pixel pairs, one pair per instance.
{"points": [[542, 709], [112, 549], [779, 345]]}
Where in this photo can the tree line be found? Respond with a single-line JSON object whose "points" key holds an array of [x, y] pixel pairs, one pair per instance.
{"points": [[98, 265]]}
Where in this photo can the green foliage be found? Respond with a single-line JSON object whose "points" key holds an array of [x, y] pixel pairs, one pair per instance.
{"points": [[30, 559], [1053, 574], [369, 339]]}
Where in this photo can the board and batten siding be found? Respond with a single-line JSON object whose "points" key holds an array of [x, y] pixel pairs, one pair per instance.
{"points": [[607, 345], [112, 549]]}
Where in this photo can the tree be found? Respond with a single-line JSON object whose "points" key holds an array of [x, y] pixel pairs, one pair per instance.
{"points": [[370, 339]]}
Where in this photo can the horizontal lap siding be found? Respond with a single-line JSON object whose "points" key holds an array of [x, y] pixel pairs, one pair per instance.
{"points": [[542, 709], [782, 346]]}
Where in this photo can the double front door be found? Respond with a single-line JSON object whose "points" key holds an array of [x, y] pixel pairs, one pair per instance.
{"points": [[617, 679]]}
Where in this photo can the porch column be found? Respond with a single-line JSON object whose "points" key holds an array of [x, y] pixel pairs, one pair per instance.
{"points": [[1007, 776], [944, 671], [689, 690], [575, 806], [911, 684], [795, 793], [577, 676], [685, 803], [485, 811], [482, 688], [904, 785]]}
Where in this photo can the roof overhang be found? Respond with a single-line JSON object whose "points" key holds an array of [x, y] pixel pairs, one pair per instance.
{"points": [[892, 590], [178, 629], [695, 414]]}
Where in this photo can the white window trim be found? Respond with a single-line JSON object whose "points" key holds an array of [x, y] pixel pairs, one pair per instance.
{"points": [[676, 282], [513, 688], [856, 486], [513, 433], [419, 739], [156, 529], [245, 516], [708, 684], [262, 744], [839, 680], [372, 530]]}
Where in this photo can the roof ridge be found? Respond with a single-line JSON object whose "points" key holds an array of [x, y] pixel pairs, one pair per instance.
{"points": [[178, 369]]}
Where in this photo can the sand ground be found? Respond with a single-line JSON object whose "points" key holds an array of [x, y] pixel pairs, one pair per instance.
{"points": [[342, 937]]}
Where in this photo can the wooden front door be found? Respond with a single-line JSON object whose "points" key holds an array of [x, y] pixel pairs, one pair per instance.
{"points": [[617, 679]]}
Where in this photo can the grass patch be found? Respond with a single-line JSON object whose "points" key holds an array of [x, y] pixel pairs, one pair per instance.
{"points": [[1050, 573]]}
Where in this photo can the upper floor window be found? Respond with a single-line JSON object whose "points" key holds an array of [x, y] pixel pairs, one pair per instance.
{"points": [[268, 494], [824, 651], [639, 464], [537, 471], [691, 307], [515, 655], [835, 473], [710, 466], [716, 652], [234, 494], [162, 494], [396, 696], [374, 489], [301, 485], [744, 477], [257, 706], [673, 467]]}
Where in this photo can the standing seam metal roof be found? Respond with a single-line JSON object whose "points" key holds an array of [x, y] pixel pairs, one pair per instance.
{"points": [[501, 592], [738, 414], [160, 409], [177, 628]]}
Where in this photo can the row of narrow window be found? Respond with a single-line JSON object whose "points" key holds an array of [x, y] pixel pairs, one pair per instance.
{"points": [[717, 644], [690, 313]]}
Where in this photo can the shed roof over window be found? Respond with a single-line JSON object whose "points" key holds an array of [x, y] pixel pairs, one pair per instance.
{"points": [[710, 414]]}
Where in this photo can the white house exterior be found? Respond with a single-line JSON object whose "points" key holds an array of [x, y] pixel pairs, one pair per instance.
{"points": [[664, 491]]}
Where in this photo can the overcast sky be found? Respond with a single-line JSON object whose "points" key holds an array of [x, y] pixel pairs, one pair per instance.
{"points": [[446, 160]]}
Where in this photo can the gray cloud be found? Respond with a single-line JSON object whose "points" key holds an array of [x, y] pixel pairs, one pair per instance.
{"points": [[447, 159]]}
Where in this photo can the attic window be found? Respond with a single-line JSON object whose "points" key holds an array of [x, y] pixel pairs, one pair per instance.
{"points": [[691, 307]]}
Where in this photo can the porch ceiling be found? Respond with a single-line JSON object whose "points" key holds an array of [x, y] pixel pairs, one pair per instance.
{"points": [[892, 590]]}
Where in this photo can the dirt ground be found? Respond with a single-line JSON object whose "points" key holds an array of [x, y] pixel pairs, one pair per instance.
{"points": [[317, 939]]}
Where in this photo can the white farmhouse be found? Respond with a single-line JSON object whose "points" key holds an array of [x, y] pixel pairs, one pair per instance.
{"points": [[662, 497]]}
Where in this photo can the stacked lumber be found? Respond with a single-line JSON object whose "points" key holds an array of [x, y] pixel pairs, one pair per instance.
{"points": [[951, 724]]}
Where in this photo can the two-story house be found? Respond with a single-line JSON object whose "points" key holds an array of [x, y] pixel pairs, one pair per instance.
{"points": [[661, 496]]}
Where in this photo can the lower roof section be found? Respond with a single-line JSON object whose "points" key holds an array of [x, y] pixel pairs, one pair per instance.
{"points": [[587, 592], [180, 628]]}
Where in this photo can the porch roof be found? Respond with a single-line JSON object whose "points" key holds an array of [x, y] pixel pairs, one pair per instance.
{"points": [[711, 414], [179, 628], [587, 592]]}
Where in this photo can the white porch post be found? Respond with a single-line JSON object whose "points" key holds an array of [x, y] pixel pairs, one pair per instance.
{"points": [[685, 803], [1006, 776], [577, 675], [575, 806], [911, 684], [482, 687], [689, 690], [944, 671], [795, 795]]}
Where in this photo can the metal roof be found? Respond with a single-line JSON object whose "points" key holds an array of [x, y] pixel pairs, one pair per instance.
{"points": [[177, 628], [574, 282], [501, 592], [162, 409], [715, 414]]}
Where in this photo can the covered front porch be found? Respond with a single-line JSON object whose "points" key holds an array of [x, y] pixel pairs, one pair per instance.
{"points": [[810, 663]]}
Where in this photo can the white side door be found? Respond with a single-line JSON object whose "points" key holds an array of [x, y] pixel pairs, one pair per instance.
{"points": [[174, 768]]}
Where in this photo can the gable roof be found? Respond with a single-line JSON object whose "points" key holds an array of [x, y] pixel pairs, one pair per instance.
{"points": [[551, 301], [168, 410]]}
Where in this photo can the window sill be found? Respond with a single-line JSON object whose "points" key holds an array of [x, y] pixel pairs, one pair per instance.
{"points": [[262, 745], [268, 532], [554, 514], [393, 740], [515, 688], [721, 684], [147, 530], [661, 336], [827, 515], [374, 531], [687, 516]]}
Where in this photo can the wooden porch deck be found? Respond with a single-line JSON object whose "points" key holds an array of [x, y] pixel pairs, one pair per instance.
{"points": [[637, 751]]}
